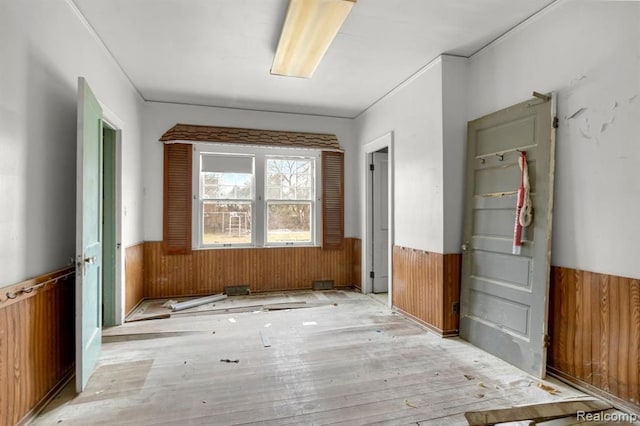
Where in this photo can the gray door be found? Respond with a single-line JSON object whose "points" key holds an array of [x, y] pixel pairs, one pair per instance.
{"points": [[504, 296], [380, 198]]}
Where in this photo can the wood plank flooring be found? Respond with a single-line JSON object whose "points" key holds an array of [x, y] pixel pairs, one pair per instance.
{"points": [[350, 361]]}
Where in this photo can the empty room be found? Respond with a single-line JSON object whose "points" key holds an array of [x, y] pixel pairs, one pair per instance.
{"points": [[319, 212]]}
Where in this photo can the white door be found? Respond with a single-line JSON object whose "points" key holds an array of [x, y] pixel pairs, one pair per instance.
{"points": [[88, 234], [504, 296], [380, 198]]}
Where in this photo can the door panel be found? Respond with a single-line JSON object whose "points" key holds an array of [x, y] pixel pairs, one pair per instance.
{"points": [[504, 296], [380, 222], [88, 234]]}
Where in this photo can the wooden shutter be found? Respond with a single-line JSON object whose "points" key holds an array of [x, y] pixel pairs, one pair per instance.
{"points": [[332, 200], [177, 199]]}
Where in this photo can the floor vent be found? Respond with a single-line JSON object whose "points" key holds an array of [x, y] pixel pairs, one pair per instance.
{"points": [[322, 285], [237, 290]]}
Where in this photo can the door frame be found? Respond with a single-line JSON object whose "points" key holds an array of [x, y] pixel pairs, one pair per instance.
{"points": [[113, 122], [384, 141]]}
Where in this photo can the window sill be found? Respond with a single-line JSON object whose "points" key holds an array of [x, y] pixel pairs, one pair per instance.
{"points": [[240, 247]]}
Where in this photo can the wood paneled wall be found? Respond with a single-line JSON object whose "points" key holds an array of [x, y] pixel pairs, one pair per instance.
{"points": [[594, 325], [262, 269], [134, 276], [37, 342], [426, 285], [356, 261]]}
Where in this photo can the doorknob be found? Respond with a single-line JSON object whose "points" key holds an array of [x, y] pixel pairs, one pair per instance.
{"points": [[465, 246], [90, 260]]}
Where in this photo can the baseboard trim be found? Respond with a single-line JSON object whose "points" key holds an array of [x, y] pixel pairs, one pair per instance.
{"points": [[618, 403], [132, 310], [431, 328], [33, 413]]}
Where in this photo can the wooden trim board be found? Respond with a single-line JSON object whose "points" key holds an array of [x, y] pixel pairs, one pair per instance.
{"points": [[535, 412]]}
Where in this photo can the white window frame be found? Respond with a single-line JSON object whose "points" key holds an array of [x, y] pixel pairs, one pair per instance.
{"points": [[259, 213]]}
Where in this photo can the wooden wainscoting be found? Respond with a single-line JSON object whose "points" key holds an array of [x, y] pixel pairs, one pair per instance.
{"points": [[262, 269], [594, 325], [37, 342], [134, 276], [426, 286], [356, 261]]}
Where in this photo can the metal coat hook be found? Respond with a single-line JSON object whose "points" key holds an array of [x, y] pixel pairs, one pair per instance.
{"points": [[26, 290], [500, 157]]}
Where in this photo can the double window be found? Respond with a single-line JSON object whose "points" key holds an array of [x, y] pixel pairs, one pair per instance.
{"points": [[255, 197]]}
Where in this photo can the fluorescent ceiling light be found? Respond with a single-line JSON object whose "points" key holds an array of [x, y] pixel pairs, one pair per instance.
{"points": [[309, 28]]}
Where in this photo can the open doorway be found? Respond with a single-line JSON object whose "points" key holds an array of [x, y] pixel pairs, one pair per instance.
{"points": [[379, 168], [377, 266], [109, 248], [112, 211]]}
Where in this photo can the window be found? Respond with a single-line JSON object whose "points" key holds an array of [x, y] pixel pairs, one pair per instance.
{"points": [[255, 197], [226, 199], [289, 200]]}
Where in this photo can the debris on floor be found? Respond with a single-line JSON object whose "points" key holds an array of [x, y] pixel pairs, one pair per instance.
{"points": [[265, 340], [230, 360], [168, 303], [408, 404], [536, 412], [179, 306], [468, 376], [240, 304], [149, 317], [549, 389]]}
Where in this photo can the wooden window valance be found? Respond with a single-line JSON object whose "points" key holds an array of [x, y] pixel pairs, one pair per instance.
{"points": [[235, 135]]}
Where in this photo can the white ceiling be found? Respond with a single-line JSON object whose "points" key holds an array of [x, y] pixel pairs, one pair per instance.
{"points": [[219, 52]]}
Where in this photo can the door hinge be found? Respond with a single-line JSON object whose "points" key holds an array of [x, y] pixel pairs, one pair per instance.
{"points": [[555, 122], [547, 341], [455, 307], [371, 167], [372, 274]]}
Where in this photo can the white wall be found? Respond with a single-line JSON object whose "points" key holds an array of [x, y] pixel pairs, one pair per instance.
{"points": [[414, 113], [44, 47], [428, 120], [160, 117], [589, 52]]}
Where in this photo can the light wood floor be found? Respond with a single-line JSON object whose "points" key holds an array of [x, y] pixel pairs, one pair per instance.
{"points": [[348, 360]]}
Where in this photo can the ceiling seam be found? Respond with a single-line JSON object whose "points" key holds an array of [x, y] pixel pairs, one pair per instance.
{"points": [[496, 40], [74, 7], [548, 8], [249, 109], [405, 83]]}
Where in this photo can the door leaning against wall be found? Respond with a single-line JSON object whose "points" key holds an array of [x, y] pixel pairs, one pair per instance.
{"points": [[504, 295]]}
